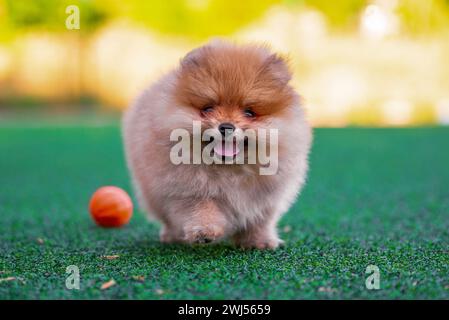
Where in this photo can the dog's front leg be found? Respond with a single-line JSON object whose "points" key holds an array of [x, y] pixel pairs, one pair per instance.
{"points": [[204, 223], [261, 235]]}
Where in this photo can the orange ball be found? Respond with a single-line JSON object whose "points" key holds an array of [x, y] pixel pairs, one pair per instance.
{"points": [[111, 207]]}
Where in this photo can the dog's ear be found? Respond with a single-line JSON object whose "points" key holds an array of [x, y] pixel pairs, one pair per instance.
{"points": [[277, 66], [198, 56], [191, 59]]}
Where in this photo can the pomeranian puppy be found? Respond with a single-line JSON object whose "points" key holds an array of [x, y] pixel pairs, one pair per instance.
{"points": [[226, 89]]}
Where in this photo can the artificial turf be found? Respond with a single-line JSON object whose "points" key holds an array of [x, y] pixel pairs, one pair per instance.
{"points": [[374, 196]]}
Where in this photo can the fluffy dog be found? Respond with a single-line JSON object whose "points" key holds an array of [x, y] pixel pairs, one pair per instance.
{"points": [[228, 89]]}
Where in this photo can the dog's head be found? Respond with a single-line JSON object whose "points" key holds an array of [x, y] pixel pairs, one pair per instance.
{"points": [[231, 89]]}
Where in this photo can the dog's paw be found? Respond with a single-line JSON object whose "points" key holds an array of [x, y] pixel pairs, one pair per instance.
{"points": [[167, 236], [202, 234], [261, 244]]}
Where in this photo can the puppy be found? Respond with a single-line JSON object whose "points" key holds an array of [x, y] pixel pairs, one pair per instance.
{"points": [[227, 89]]}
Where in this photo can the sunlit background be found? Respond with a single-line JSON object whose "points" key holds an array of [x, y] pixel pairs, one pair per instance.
{"points": [[356, 62]]}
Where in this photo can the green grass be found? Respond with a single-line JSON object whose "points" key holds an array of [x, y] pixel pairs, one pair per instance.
{"points": [[374, 196]]}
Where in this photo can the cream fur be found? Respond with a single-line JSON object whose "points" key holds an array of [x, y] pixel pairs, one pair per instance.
{"points": [[201, 203]]}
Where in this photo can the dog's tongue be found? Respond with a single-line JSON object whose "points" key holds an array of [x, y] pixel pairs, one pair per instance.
{"points": [[227, 149]]}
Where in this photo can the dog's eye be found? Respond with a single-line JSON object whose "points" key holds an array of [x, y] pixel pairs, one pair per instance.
{"points": [[249, 113], [207, 108]]}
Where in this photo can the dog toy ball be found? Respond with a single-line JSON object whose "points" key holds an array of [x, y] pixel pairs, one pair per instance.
{"points": [[111, 207]]}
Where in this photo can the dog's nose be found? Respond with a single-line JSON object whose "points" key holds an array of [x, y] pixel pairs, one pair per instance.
{"points": [[226, 128]]}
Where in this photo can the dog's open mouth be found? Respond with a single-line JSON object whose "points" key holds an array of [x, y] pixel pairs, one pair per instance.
{"points": [[227, 149]]}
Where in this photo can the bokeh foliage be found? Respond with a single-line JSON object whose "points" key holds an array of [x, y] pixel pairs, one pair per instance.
{"points": [[205, 18], [196, 18], [354, 67]]}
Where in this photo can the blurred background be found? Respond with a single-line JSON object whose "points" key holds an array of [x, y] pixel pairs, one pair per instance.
{"points": [[356, 62]]}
